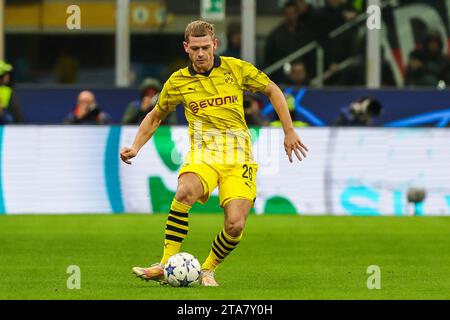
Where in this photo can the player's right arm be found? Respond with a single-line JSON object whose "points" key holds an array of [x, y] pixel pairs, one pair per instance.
{"points": [[167, 101], [146, 130]]}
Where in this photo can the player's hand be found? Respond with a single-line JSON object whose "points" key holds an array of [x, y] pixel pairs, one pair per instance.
{"points": [[292, 143], [126, 154]]}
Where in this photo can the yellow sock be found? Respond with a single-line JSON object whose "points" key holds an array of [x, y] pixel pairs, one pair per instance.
{"points": [[177, 227], [222, 246]]}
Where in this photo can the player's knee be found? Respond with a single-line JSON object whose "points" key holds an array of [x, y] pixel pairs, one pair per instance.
{"points": [[234, 228], [186, 194]]}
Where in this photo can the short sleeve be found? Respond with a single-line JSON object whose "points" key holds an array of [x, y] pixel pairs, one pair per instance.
{"points": [[168, 98], [254, 80]]}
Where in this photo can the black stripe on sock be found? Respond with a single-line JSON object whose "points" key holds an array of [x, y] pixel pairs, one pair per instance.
{"points": [[179, 214], [173, 238], [217, 254], [173, 219], [223, 245], [220, 250], [172, 228], [231, 243]]}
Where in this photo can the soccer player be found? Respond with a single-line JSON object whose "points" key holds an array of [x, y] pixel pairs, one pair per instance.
{"points": [[211, 90]]}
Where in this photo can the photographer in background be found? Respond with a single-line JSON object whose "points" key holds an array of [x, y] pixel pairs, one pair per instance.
{"points": [[360, 112], [10, 110], [87, 111]]}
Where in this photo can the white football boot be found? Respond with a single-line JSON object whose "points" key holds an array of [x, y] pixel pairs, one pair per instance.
{"points": [[207, 278], [155, 272]]}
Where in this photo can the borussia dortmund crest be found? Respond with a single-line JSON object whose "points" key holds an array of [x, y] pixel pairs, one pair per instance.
{"points": [[229, 78]]}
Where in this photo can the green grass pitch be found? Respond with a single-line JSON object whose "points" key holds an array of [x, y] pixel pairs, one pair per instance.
{"points": [[280, 257]]}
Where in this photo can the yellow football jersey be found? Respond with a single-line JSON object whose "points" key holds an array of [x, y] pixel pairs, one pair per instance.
{"points": [[213, 104]]}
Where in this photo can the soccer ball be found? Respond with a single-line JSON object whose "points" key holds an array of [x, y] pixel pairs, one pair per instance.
{"points": [[182, 270]]}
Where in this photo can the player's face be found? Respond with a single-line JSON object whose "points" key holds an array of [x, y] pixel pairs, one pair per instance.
{"points": [[201, 52]]}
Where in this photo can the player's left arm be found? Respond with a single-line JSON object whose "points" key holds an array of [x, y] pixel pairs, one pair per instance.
{"points": [[292, 141]]}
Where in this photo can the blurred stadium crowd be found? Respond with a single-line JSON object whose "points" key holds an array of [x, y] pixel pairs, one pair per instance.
{"points": [[301, 22], [87, 110], [428, 65]]}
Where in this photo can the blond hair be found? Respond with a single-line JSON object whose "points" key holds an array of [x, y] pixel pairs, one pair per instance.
{"points": [[199, 28]]}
